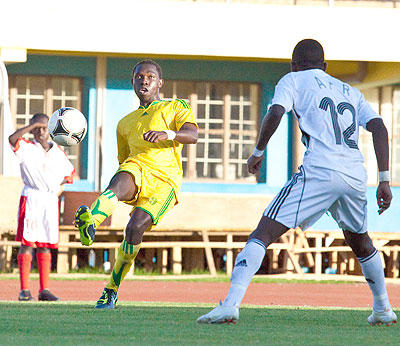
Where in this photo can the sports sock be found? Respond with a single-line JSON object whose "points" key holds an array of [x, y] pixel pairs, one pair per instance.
{"points": [[24, 264], [126, 256], [103, 206], [246, 265], [44, 265], [372, 269]]}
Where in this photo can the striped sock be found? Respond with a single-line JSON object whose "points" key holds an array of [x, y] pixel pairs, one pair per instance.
{"points": [[125, 258], [103, 206], [372, 269]]}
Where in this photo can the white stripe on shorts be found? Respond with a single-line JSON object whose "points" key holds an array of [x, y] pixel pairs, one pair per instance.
{"points": [[284, 193]]}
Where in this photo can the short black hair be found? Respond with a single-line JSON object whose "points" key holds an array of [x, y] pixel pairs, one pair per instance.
{"points": [[38, 116], [149, 62], [308, 52]]}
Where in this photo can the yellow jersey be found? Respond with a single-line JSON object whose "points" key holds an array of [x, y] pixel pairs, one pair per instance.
{"points": [[162, 159]]}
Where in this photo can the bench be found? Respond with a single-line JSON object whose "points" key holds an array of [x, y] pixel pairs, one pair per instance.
{"points": [[205, 230], [313, 249], [340, 258]]}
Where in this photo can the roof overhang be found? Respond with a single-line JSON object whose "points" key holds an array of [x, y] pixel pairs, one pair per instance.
{"points": [[233, 30]]}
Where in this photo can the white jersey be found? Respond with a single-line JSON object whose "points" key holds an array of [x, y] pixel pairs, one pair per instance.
{"points": [[43, 170], [329, 113]]}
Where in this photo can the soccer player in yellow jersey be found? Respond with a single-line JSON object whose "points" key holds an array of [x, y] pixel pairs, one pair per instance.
{"points": [[149, 177]]}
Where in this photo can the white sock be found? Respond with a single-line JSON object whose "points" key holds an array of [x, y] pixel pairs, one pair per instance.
{"points": [[373, 271], [246, 265]]}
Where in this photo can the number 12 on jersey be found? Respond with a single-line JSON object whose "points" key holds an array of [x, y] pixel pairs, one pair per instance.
{"points": [[326, 103]]}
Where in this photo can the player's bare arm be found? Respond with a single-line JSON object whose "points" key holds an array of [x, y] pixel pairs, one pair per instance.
{"points": [[381, 147], [20, 132], [268, 127], [186, 135]]}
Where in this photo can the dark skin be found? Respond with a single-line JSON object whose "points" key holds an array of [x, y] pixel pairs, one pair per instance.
{"points": [[269, 230], [38, 128], [146, 84]]}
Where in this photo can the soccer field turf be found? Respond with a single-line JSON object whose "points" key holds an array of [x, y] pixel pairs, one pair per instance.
{"points": [[171, 324]]}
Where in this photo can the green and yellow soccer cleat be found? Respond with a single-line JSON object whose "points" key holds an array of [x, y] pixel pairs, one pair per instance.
{"points": [[108, 299], [85, 223]]}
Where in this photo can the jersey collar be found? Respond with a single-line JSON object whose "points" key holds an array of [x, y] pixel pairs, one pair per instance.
{"points": [[151, 104]]}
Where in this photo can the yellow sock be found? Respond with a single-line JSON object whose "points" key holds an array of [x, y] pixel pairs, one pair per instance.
{"points": [[103, 206], [126, 255]]}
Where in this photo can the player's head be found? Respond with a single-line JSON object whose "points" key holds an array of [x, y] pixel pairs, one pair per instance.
{"points": [[40, 133], [39, 117], [308, 54], [147, 81]]}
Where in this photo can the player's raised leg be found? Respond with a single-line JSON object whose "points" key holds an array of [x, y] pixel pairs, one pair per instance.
{"points": [[371, 266], [246, 266], [121, 188], [87, 219]]}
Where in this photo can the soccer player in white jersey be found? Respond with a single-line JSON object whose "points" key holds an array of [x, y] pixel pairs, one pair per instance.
{"points": [[332, 177], [44, 168]]}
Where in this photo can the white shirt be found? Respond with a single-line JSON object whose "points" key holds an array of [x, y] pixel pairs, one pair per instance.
{"points": [[329, 113], [40, 169]]}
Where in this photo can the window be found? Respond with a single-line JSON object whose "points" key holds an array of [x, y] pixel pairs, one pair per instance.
{"points": [[227, 116], [39, 94]]}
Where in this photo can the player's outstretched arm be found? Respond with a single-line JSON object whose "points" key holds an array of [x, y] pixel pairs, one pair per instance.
{"points": [[381, 147], [186, 135], [269, 125]]}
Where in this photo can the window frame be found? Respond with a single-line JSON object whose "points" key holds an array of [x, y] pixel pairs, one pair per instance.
{"points": [[48, 107], [190, 173]]}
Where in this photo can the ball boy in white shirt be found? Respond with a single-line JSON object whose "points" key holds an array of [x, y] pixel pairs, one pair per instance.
{"points": [[44, 168]]}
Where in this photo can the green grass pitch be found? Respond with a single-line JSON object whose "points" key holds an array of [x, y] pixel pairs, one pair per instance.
{"points": [[67, 323]]}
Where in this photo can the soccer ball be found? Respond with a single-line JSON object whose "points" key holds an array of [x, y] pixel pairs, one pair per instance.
{"points": [[67, 126]]}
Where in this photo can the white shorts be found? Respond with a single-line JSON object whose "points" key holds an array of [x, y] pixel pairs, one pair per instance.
{"points": [[38, 217], [314, 191]]}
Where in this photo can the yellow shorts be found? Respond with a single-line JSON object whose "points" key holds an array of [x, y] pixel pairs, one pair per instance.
{"points": [[154, 195]]}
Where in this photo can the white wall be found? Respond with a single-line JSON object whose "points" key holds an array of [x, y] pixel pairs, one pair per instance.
{"points": [[199, 29]]}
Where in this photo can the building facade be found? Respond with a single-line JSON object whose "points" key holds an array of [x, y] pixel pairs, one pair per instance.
{"points": [[223, 58]]}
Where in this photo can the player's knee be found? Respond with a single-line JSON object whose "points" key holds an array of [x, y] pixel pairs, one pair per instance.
{"points": [[25, 250], [134, 232], [361, 244], [123, 185]]}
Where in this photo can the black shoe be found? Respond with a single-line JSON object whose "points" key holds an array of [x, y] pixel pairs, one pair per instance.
{"points": [[47, 296], [25, 296], [108, 299]]}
